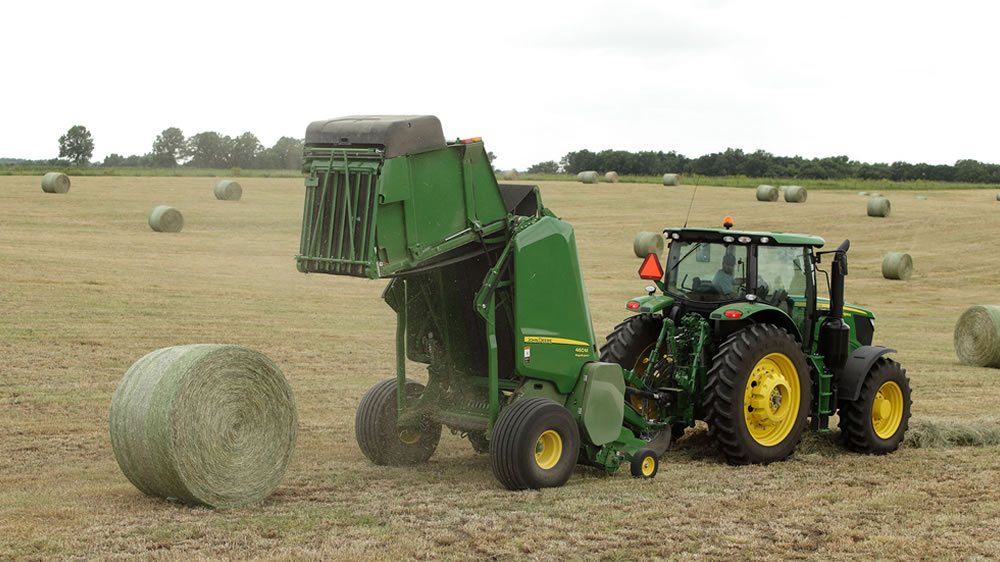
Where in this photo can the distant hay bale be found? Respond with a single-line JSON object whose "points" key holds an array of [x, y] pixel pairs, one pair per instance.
{"points": [[795, 194], [671, 179], [165, 218], [879, 207], [228, 190], [767, 193], [590, 177], [920, 198], [977, 336], [55, 182], [875, 194], [205, 424], [611, 177], [646, 243], [897, 265], [864, 193], [579, 176], [511, 175], [998, 196]]}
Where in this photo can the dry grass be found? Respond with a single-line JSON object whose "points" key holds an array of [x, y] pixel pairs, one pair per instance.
{"points": [[87, 289]]}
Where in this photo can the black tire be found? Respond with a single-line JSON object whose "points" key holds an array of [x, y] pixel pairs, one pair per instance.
{"points": [[862, 427], [763, 357], [535, 444], [626, 343], [479, 442], [645, 464], [378, 436]]}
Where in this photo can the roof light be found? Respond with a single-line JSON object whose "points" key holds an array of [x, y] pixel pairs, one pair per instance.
{"points": [[728, 239], [764, 239], [675, 235], [467, 141], [733, 314], [744, 239], [650, 268], [632, 305], [727, 222]]}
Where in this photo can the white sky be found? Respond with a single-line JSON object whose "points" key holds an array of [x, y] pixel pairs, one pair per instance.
{"points": [[876, 81]]}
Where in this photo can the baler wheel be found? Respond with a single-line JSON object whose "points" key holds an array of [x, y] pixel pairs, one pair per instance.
{"points": [[876, 421], [645, 463], [757, 395], [535, 444], [381, 439]]}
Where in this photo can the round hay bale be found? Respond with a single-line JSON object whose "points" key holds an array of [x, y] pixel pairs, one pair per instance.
{"points": [[795, 194], [611, 177], [228, 190], [767, 193], [646, 243], [55, 182], [511, 175], [590, 177], [205, 424], [897, 265], [671, 179], [879, 207], [920, 198], [863, 193], [579, 176], [165, 218], [875, 194], [977, 336], [998, 196]]}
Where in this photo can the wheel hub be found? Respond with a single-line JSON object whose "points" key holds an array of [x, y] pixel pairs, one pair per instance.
{"points": [[771, 399], [548, 449], [887, 410]]}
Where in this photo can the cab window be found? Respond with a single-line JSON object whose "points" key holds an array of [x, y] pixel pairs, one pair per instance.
{"points": [[707, 272]]}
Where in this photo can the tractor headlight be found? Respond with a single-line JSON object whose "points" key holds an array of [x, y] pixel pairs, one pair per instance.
{"points": [[744, 239], [764, 239], [728, 239]]}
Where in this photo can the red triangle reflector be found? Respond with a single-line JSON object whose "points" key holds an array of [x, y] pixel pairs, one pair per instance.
{"points": [[650, 268]]}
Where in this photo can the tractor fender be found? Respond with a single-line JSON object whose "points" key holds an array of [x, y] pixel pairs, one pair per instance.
{"points": [[856, 369], [752, 312]]}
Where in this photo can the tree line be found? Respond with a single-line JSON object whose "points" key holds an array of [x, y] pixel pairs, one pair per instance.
{"points": [[762, 164]]}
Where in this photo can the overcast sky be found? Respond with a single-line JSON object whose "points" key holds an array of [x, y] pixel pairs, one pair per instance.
{"points": [[876, 81]]}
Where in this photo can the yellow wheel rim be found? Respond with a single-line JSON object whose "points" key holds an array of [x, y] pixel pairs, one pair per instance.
{"points": [[548, 449], [648, 464], [771, 400], [887, 410], [409, 437]]}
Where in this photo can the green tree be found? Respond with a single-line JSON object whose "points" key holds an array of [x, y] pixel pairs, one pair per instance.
{"points": [[168, 147], [77, 145], [209, 150], [245, 150], [288, 153], [547, 167]]}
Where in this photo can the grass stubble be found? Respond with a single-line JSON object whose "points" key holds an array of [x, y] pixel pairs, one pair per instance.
{"points": [[87, 289]]}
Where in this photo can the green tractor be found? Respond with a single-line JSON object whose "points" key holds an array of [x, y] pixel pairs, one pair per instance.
{"points": [[488, 293]]}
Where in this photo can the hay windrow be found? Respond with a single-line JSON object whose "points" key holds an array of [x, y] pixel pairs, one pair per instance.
{"points": [[897, 265], [590, 176], [165, 218], [671, 179], [646, 243], [205, 424], [879, 207], [929, 433], [767, 193], [228, 190], [795, 194], [55, 182], [977, 336]]}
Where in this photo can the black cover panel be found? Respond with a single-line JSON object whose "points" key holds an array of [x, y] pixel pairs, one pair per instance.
{"points": [[397, 134]]}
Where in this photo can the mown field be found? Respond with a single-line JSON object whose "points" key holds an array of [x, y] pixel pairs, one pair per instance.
{"points": [[86, 289]]}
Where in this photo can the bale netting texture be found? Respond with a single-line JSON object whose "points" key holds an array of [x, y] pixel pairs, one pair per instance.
{"points": [[998, 196], [590, 177], [55, 182], [977, 336], [795, 194], [767, 193], [671, 179], [897, 265], [879, 207], [165, 218], [646, 243], [511, 175], [228, 190], [611, 177], [205, 424]]}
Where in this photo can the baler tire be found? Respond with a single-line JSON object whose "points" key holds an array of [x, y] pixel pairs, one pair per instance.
{"points": [[760, 354], [645, 463], [865, 430], [378, 436], [535, 444]]}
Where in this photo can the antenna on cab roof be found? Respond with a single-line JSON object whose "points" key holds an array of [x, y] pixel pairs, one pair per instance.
{"points": [[697, 180]]}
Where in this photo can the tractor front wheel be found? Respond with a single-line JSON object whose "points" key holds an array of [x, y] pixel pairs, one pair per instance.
{"points": [[757, 395], [535, 444], [876, 421], [379, 436]]}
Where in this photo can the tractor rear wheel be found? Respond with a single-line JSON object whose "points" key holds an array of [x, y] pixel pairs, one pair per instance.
{"points": [[535, 444], [876, 421], [757, 395], [381, 439]]}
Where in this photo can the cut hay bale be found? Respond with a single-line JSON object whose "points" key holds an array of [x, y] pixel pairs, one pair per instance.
{"points": [[897, 265], [590, 177], [879, 207], [511, 175], [977, 336], [646, 243], [875, 194], [165, 218], [998, 196], [920, 198], [611, 177], [205, 424], [767, 193], [55, 182], [864, 193], [228, 190], [671, 179], [795, 194], [579, 176]]}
